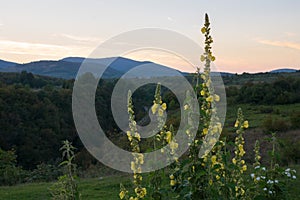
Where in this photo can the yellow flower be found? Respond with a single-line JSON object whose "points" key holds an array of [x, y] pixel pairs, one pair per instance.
{"points": [[137, 136], [122, 194], [173, 145], [210, 182], [129, 136], [172, 176], [217, 98], [212, 58], [140, 192], [186, 107], [246, 124], [172, 182], [160, 112], [217, 177], [154, 108], [202, 92], [212, 141], [209, 99], [244, 168], [205, 131], [202, 58], [133, 166], [164, 106], [236, 124], [214, 160], [168, 136], [242, 191], [242, 162], [203, 30], [233, 160]]}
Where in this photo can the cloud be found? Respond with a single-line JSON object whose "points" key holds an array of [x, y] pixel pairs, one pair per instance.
{"points": [[79, 38], [285, 44], [16, 47]]}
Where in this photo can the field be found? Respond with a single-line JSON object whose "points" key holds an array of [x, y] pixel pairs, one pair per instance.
{"points": [[106, 189]]}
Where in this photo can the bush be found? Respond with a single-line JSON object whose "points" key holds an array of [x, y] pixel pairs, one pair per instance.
{"points": [[9, 173]]}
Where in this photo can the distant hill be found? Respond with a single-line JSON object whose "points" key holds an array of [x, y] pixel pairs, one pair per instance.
{"points": [[285, 70], [6, 64], [67, 68]]}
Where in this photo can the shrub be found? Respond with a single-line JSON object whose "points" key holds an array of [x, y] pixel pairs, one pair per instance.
{"points": [[9, 173]]}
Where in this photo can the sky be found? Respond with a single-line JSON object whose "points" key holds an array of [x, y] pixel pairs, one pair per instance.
{"points": [[249, 35]]}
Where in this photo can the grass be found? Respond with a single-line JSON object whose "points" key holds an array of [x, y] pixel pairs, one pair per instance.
{"points": [[106, 189]]}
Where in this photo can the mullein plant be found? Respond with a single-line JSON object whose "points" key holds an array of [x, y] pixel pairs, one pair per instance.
{"points": [[240, 166], [164, 137], [138, 158]]}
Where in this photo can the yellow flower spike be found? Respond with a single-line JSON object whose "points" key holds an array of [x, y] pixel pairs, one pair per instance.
{"points": [[246, 124], [164, 106], [203, 30], [154, 108]]}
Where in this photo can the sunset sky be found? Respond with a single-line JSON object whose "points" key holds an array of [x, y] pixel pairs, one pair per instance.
{"points": [[250, 36]]}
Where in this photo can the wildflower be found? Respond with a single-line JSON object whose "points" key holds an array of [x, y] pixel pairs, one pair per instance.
{"points": [[245, 124], [294, 177], [209, 99], [216, 98], [140, 192], [154, 108], [160, 112], [214, 160], [122, 194], [233, 160], [265, 189], [258, 178], [186, 107], [203, 30], [164, 106], [236, 124], [244, 168], [168, 136], [172, 182], [252, 175], [205, 131]]}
